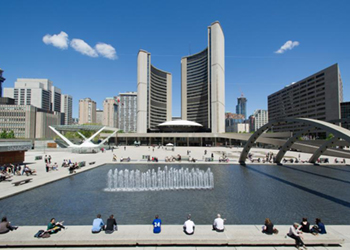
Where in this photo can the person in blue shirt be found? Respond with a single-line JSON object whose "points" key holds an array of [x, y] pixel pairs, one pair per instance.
{"points": [[321, 227], [97, 225], [157, 225]]}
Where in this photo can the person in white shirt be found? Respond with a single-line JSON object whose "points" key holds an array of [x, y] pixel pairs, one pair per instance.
{"points": [[218, 224], [295, 234], [189, 226]]}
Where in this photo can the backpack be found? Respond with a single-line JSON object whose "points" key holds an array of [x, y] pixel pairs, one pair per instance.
{"points": [[41, 234]]}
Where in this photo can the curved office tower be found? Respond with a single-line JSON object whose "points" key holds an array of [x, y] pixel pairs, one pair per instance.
{"points": [[153, 94], [203, 83]]}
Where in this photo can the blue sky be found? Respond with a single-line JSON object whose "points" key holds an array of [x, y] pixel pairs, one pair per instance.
{"points": [[169, 30]]}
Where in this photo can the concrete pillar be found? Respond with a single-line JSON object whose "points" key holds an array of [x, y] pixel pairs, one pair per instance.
{"points": [[162, 141], [201, 142], [188, 141], [214, 141]]}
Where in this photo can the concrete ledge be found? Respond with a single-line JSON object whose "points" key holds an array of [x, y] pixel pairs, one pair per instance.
{"points": [[171, 235]]}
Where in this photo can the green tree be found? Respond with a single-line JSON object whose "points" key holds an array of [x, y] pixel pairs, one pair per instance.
{"points": [[330, 136], [11, 135], [3, 134]]}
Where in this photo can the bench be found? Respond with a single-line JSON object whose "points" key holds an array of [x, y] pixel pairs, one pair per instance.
{"points": [[39, 157], [92, 163], [208, 159], [81, 164], [16, 183]]}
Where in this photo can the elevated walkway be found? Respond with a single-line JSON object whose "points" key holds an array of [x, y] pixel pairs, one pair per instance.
{"points": [[171, 235]]}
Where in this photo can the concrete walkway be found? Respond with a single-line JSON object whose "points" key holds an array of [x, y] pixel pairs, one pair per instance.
{"points": [[135, 153], [172, 235], [143, 234]]}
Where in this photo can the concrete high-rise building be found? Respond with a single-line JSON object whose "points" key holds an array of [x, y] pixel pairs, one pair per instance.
{"points": [[2, 79], [203, 83], [55, 99], [110, 112], [231, 119], [99, 116], [241, 107], [345, 114], [87, 111], [32, 91], [21, 119], [42, 123], [127, 111], [259, 119], [37, 92], [153, 94], [317, 96], [67, 109]]}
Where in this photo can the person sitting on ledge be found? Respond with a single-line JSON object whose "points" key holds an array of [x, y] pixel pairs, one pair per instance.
{"points": [[157, 225], [111, 225], [97, 225], [295, 234], [189, 226], [319, 228], [304, 226], [28, 171], [54, 227], [268, 227], [218, 224], [5, 226]]}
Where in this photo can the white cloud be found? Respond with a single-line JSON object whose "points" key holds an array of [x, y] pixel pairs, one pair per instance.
{"points": [[287, 46], [106, 50], [82, 47], [59, 41]]}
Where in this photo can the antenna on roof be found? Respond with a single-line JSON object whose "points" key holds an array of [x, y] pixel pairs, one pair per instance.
{"points": [[242, 95]]}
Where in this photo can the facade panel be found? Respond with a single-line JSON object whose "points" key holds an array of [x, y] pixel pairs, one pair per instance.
{"points": [[317, 96], [153, 94], [203, 83]]}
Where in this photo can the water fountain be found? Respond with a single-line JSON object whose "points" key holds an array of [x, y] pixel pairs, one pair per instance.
{"points": [[162, 179]]}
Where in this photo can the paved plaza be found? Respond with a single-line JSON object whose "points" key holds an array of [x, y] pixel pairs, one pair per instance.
{"points": [[136, 154]]}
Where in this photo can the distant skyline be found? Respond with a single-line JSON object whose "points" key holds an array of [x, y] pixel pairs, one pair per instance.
{"points": [[89, 48]]}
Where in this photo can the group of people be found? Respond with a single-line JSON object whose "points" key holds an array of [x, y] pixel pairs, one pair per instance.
{"points": [[10, 170], [98, 225], [296, 230], [127, 159]]}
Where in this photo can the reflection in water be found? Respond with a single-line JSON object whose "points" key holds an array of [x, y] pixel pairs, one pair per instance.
{"points": [[151, 180]]}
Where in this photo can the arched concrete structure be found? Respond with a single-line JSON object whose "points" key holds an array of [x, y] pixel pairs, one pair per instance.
{"points": [[337, 131], [87, 142], [289, 143], [322, 149]]}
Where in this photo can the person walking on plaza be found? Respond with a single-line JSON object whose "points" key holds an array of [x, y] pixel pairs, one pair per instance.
{"points": [[45, 158], [157, 225], [47, 167], [49, 159], [295, 234], [189, 226], [218, 224], [111, 225], [97, 225], [5, 226]]}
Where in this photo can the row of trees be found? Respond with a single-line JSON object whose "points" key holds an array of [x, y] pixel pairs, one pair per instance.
{"points": [[7, 135]]}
